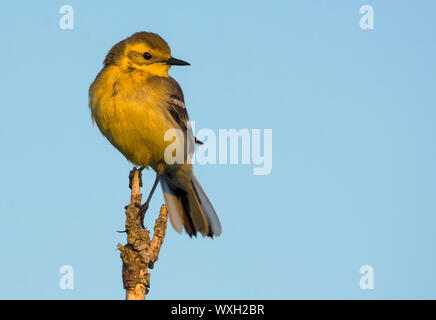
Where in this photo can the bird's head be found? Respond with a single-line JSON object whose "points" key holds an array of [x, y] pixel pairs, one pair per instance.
{"points": [[144, 51]]}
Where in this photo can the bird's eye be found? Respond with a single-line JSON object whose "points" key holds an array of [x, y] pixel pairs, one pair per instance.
{"points": [[147, 56]]}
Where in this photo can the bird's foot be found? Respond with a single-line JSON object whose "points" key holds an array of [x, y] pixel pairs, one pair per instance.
{"points": [[141, 213]]}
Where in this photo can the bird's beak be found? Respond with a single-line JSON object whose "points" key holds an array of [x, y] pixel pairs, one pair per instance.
{"points": [[176, 62]]}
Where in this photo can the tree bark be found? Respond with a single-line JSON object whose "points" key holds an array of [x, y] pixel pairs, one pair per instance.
{"points": [[140, 253]]}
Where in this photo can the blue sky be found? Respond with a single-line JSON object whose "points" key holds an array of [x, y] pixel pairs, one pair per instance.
{"points": [[353, 178]]}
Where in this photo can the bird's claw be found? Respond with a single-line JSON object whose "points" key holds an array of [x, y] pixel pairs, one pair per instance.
{"points": [[143, 209]]}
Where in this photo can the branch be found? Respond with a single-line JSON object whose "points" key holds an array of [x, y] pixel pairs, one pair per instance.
{"points": [[140, 253]]}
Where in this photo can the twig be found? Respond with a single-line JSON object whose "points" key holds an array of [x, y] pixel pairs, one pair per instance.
{"points": [[140, 253]]}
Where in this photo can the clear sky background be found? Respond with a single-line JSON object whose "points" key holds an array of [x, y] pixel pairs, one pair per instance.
{"points": [[354, 164]]}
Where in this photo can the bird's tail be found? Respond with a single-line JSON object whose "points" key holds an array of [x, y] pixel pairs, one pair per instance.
{"points": [[190, 208]]}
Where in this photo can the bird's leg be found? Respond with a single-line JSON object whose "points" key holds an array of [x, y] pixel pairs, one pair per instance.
{"points": [[144, 207]]}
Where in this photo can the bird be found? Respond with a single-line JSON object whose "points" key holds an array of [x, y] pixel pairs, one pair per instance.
{"points": [[134, 102]]}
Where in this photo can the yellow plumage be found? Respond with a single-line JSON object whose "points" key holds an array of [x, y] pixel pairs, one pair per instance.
{"points": [[134, 103], [128, 110]]}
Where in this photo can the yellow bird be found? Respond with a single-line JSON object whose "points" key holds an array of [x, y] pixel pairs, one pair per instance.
{"points": [[134, 102]]}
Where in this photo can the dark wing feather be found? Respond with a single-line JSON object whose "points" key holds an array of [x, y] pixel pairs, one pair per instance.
{"points": [[177, 110]]}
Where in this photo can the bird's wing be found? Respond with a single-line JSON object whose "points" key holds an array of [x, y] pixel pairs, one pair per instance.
{"points": [[179, 113], [177, 109]]}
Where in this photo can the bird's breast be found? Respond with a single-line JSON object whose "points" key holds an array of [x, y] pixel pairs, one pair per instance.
{"points": [[129, 113]]}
